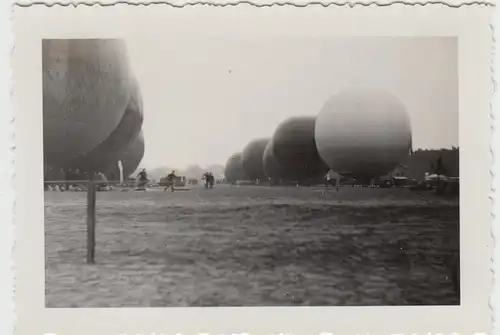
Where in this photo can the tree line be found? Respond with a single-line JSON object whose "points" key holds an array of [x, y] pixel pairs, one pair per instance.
{"points": [[440, 161]]}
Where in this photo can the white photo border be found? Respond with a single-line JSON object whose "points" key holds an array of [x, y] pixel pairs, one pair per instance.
{"points": [[471, 26]]}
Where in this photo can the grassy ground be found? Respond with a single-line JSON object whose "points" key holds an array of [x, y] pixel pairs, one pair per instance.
{"points": [[252, 246]]}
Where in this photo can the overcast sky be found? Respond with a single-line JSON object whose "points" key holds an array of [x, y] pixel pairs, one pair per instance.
{"points": [[213, 79], [206, 97]]}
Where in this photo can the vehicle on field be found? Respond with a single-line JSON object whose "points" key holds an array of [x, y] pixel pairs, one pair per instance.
{"points": [[192, 181], [179, 181]]}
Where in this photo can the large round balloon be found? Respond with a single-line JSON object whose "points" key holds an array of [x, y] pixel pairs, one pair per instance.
{"points": [[233, 170], [109, 151], [252, 159], [86, 89], [272, 168], [363, 133], [295, 149]]}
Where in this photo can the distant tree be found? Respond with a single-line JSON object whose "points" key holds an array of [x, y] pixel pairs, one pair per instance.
{"points": [[439, 167]]}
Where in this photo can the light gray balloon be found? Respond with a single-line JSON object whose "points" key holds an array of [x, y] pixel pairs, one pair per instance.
{"points": [[363, 133]]}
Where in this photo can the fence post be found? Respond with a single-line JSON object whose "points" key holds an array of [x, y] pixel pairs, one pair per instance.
{"points": [[91, 220]]}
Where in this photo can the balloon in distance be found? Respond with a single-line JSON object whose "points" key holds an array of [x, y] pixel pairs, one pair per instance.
{"points": [[86, 89], [272, 168], [109, 151], [252, 159], [363, 133], [294, 147], [233, 171]]}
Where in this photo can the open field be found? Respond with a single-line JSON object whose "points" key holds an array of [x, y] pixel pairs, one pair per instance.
{"points": [[252, 246]]}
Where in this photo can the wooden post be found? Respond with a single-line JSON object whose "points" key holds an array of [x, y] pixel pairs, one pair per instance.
{"points": [[91, 220]]}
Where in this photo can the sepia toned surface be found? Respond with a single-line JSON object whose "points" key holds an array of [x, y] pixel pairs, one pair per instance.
{"points": [[473, 289]]}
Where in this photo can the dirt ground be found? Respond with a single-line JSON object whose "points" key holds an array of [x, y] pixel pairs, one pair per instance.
{"points": [[252, 246]]}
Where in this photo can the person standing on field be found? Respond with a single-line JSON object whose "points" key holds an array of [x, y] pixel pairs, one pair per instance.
{"points": [[143, 179], [171, 180]]}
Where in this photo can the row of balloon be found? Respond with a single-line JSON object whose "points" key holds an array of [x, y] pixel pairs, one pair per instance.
{"points": [[364, 133]]}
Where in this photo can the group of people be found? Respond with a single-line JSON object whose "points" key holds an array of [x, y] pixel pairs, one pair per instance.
{"points": [[209, 179], [142, 177], [143, 180]]}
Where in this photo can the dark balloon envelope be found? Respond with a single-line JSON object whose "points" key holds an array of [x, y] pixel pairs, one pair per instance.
{"points": [[51, 173], [252, 159], [109, 151], [233, 170], [294, 147], [130, 158], [272, 168], [133, 157], [92, 105], [86, 88]]}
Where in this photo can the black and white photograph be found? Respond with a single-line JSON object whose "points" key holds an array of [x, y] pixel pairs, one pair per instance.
{"points": [[237, 157], [245, 174]]}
